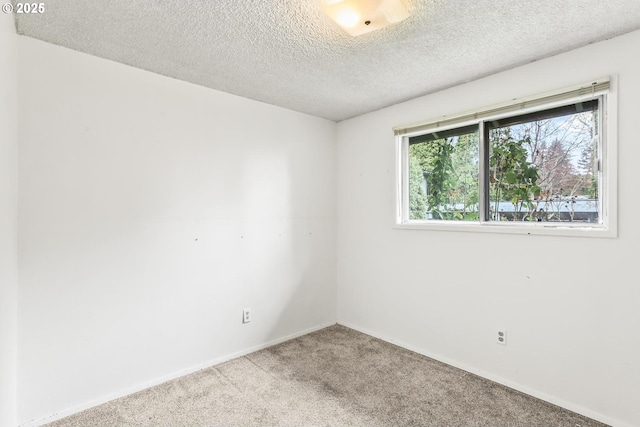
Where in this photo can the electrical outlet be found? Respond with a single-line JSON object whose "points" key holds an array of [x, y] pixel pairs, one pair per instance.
{"points": [[501, 336], [246, 315]]}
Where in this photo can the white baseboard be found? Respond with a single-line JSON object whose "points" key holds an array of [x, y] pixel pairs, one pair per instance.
{"points": [[156, 381], [519, 387]]}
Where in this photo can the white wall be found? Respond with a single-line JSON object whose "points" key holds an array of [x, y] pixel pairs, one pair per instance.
{"points": [[571, 305], [152, 211], [8, 220]]}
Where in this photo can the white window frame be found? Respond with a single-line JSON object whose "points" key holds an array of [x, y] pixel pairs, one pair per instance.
{"points": [[604, 89]]}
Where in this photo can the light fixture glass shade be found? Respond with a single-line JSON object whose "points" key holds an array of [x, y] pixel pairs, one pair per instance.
{"points": [[358, 17]]}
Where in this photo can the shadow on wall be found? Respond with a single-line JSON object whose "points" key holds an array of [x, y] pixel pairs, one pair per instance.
{"points": [[291, 233]]}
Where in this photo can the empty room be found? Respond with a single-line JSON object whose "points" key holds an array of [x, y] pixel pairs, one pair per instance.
{"points": [[319, 213]]}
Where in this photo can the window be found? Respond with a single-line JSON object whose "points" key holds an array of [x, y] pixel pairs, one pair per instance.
{"points": [[538, 166]]}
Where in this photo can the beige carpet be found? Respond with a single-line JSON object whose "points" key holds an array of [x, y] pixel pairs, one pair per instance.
{"points": [[333, 377]]}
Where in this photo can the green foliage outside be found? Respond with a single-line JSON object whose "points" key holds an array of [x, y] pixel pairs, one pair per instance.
{"points": [[448, 168], [512, 176], [417, 198], [536, 167]]}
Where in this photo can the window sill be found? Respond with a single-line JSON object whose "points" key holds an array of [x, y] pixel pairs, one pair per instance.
{"points": [[533, 229]]}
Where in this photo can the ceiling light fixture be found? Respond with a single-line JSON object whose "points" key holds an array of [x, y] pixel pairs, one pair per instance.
{"points": [[358, 17]]}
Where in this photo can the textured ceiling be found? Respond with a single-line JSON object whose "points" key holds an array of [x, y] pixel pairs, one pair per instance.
{"points": [[287, 53]]}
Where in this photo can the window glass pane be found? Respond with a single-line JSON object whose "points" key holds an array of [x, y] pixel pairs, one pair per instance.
{"points": [[443, 175], [543, 166]]}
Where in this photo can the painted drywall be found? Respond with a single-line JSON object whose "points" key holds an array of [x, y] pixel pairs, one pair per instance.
{"points": [[152, 211], [571, 306], [8, 220]]}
